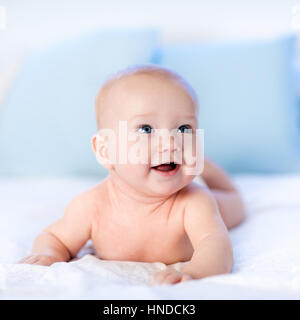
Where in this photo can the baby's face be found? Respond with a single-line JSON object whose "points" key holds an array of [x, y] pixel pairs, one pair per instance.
{"points": [[147, 102]]}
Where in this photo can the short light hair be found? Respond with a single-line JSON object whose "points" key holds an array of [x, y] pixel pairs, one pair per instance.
{"points": [[140, 69]]}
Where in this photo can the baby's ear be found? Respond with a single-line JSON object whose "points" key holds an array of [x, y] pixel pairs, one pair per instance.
{"points": [[101, 151]]}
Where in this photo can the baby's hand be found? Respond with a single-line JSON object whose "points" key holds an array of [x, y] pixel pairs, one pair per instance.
{"points": [[169, 276], [39, 259]]}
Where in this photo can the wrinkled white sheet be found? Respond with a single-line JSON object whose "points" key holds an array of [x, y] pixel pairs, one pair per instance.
{"points": [[266, 248]]}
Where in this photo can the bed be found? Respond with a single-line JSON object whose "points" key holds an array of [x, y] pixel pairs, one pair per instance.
{"points": [[266, 247]]}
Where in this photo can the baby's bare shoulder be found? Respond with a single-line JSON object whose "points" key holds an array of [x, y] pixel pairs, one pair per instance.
{"points": [[88, 200], [196, 196], [194, 191]]}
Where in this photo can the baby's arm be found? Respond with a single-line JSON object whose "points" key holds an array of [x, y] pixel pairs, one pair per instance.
{"points": [[213, 252], [228, 197], [204, 226], [62, 240]]}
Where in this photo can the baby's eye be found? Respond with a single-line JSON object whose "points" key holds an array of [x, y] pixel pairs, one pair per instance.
{"points": [[145, 128], [184, 128]]}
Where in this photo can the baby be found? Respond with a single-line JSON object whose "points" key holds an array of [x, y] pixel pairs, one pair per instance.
{"points": [[149, 211]]}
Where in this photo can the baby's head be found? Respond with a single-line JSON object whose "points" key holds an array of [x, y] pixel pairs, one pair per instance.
{"points": [[145, 98]]}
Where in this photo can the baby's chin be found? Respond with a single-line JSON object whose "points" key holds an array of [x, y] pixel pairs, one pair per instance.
{"points": [[166, 190], [161, 184]]}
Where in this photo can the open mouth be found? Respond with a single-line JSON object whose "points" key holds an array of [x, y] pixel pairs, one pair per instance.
{"points": [[166, 167]]}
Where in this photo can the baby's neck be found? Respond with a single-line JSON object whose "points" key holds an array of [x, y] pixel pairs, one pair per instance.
{"points": [[129, 200]]}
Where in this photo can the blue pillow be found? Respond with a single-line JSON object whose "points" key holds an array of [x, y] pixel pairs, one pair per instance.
{"points": [[47, 121], [248, 102]]}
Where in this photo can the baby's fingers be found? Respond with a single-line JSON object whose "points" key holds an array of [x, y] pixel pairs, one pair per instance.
{"points": [[42, 260], [186, 277], [167, 276], [173, 277], [176, 277], [28, 260], [159, 276]]}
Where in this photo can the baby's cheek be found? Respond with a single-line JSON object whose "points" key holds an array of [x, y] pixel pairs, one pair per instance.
{"points": [[138, 155], [188, 149], [133, 174]]}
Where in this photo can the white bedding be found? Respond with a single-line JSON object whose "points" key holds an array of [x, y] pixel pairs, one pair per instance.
{"points": [[266, 248]]}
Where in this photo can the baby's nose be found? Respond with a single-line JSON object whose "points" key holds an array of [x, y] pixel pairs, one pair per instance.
{"points": [[169, 144], [166, 148]]}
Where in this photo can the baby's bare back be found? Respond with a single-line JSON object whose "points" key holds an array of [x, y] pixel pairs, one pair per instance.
{"points": [[136, 236]]}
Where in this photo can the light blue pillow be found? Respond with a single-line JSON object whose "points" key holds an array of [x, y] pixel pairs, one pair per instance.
{"points": [[248, 103], [47, 121]]}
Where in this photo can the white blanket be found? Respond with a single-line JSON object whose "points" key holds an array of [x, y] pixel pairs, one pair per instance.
{"points": [[266, 248]]}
